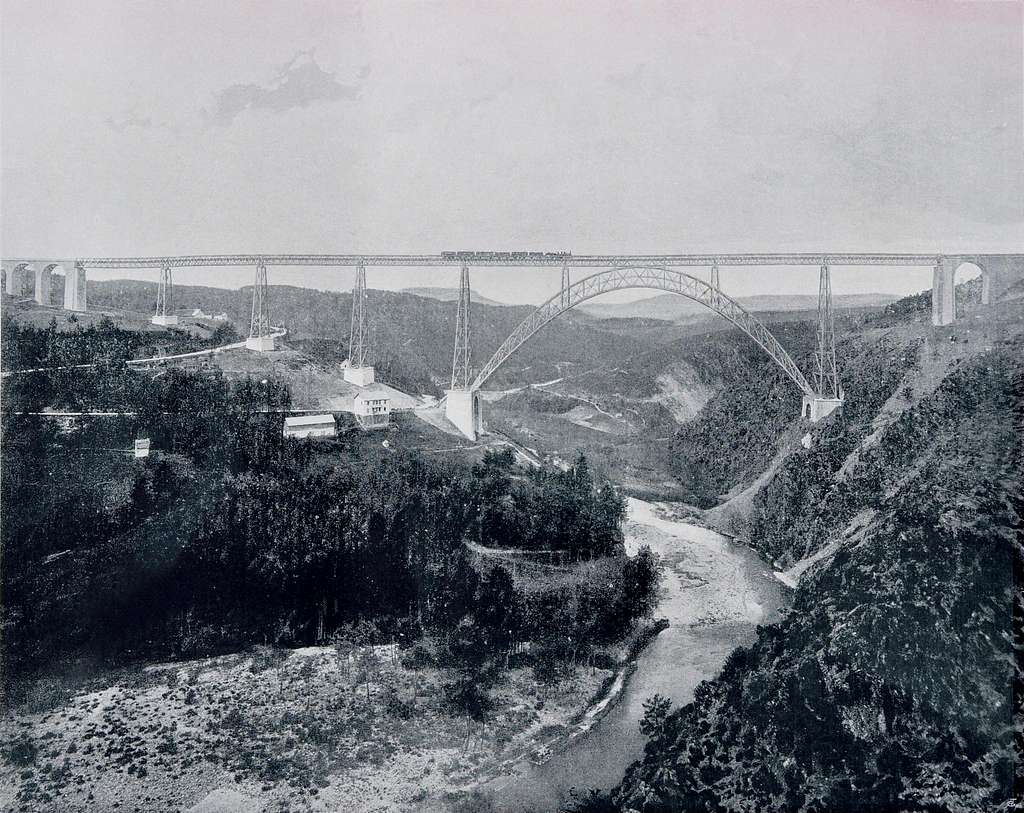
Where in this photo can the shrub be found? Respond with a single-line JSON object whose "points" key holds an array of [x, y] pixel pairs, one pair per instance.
{"points": [[396, 706], [22, 753], [419, 656], [475, 802]]}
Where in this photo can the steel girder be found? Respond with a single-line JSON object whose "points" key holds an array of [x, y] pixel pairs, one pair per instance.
{"points": [[575, 260], [164, 292], [357, 335], [462, 359], [259, 325], [663, 279]]}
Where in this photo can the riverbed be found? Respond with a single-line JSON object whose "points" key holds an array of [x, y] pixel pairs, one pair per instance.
{"points": [[714, 593]]}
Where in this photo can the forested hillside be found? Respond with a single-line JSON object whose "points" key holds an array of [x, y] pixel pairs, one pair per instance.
{"points": [[744, 425], [888, 687], [752, 412], [674, 308], [409, 334], [27, 347], [230, 534], [896, 661]]}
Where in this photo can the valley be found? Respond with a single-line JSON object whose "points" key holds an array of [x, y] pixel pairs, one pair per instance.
{"points": [[757, 537], [511, 407]]}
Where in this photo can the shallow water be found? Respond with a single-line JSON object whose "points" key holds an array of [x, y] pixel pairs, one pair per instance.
{"points": [[714, 594]]}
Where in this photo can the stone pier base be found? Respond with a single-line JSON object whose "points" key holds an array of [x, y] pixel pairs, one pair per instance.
{"points": [[261, 344], [74, 290], [360, 376], [43, 285], [462, 408], [814, 409]]}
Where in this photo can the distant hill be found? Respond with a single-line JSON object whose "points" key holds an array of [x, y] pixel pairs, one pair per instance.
{"points": [[411, 336], [672, 307], [449, 295]]}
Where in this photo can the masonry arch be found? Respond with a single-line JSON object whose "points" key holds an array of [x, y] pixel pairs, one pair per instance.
{"points": [[659, 278], [44, 282], [19, 281], [970, 268]]}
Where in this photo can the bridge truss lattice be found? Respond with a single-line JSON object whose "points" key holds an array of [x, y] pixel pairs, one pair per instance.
{"points": [[357, 341], [660, 278], [826, 371], [462, 359], [165, 293], [259, 324]]}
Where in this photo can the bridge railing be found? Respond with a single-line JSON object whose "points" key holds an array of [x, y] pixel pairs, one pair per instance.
{"points": [[498, 259]]}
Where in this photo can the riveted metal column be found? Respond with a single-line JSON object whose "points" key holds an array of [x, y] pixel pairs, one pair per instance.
{"points": [[357, 333], [260, 338], [461, 359]]}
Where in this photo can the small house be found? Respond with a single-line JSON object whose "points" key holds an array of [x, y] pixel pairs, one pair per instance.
{"points": [[310, 426], [372, 407]]}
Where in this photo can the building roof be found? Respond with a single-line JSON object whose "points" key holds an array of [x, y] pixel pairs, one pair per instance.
{"points": [[308, 420], [372, 393]]}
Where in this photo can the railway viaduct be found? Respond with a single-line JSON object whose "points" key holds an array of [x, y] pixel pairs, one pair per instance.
{"points": [[822, 394]]}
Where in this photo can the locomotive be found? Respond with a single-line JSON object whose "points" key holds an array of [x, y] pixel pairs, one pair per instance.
{"points": [[525, 257]]}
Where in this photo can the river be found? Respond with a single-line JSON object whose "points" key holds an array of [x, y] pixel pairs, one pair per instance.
{"points": [[714, 594]]}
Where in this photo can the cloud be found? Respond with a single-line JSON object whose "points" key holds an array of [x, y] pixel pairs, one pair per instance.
{"points": [[131, 120], [300, 83]]}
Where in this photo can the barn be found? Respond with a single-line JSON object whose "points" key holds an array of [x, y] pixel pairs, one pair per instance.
{"points": [[310, 426]]}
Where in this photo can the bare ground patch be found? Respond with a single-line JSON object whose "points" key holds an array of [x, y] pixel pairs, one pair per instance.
{"points": [[299, 730]]}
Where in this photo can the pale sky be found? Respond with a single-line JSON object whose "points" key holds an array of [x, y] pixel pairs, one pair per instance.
{"points": [[400, 127]]}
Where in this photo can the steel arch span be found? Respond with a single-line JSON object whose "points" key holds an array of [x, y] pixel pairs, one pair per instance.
{"points": [[662, 279]]}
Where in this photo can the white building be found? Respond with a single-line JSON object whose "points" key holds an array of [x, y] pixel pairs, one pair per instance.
{"points": [[372, 407], [310, 426]]}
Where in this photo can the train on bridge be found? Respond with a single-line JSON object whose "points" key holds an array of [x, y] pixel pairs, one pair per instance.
{"points": [[505, 256], [999, 273]]}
